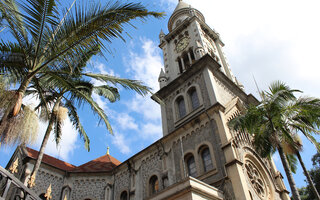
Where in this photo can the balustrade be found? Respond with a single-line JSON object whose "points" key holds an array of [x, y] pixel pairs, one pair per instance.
{"points": [[13, 188]]}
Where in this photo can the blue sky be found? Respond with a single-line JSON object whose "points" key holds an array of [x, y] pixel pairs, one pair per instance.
{"points": [[270, 40]]}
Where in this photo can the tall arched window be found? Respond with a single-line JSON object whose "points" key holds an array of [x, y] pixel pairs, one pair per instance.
{"points": [[124, 195], [191, 165], [206, 159], [194, 98], [153, 185], [181, 107]]}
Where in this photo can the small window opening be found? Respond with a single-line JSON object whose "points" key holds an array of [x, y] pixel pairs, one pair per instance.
{"points": [[124, 195], [154, 185], [180, 65], [192, 55], [186, 61]]}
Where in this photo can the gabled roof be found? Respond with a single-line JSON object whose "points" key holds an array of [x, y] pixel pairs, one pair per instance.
{"points": [[50, 160], [102, 164]]}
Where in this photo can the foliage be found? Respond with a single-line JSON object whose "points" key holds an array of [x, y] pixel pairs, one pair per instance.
{"points": [[275, 121], [46, 44], [306, 192], [23, 128]]}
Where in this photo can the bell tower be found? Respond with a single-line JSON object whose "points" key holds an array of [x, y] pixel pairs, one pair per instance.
{"points": [[188, 40], [199, 96]]}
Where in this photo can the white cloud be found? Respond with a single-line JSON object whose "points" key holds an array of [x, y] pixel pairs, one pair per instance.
{"points": [[142, 116], [151, 130], [267, 41], [125, 121], [121, 143], [149, 109], [146, 65], [67, 143]]}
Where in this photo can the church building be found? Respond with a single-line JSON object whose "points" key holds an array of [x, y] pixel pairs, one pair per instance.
{"points": [[198, 157]]}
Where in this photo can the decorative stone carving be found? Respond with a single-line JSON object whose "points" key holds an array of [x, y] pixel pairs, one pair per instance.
{"points": [[149, 167], [256, 179], [89, 188]]}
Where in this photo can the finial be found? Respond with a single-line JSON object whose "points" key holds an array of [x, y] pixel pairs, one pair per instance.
{"points": [[48, 193], [14, 166], [108, 150], [31, 181], [180, 0]]}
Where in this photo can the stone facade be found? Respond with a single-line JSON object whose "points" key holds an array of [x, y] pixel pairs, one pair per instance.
{"points": [[198, 157]]}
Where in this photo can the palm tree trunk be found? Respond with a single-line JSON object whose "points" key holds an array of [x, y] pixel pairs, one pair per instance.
{"points": [[44, 143], [20, 94], [294, 189], [308, 176]]}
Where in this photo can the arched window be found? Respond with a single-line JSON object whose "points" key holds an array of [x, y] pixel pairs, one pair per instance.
{"points": [[194, 98], [124, 195], [206, 159], [181, 107], [153, 185], [191, 165]]}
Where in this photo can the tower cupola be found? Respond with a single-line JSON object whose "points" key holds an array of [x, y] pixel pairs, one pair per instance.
{"points": [[161, 36], [162, 79], [182, 12]]}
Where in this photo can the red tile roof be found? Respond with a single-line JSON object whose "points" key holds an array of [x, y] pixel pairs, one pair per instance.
{"points": [[50, 160], [102, 164]]}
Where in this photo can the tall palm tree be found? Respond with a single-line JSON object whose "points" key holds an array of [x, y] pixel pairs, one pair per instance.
{"points": [[275, 119], [42, 38], [61, 90]]}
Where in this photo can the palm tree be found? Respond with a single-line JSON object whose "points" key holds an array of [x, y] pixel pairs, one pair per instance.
{"points": [[69, 86], [42, 39], [275, 119]]}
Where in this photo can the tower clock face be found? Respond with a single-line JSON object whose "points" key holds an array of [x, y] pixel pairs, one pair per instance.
{"points": [[182, 44]]}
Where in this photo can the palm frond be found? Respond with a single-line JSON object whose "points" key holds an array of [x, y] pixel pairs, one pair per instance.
{"points": [[74, 118], [292, 160], [97, 110], [135, 85], [110, 93], [89, 27]]}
